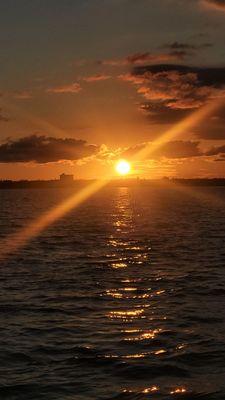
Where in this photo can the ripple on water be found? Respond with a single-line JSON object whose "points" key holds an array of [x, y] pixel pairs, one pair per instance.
{"points": [[122, 299]]}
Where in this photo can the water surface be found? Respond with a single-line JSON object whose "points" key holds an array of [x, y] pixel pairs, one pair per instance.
{"points": [[123, 298]]}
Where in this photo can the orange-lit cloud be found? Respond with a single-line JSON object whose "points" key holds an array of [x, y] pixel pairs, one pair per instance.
{"points": [[96, 78], [22, 95], [145, 58], [172, 92], [179, 87], [71, 88], [3, 118], [216, 4]]}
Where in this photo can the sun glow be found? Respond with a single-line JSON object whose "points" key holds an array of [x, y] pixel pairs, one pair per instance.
{"points": [[123, 167]]}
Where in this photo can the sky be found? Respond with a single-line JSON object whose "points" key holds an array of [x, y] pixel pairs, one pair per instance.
{"points": [[84, 83]]}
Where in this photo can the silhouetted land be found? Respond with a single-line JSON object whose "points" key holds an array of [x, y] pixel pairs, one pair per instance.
{"points": [[42, 184]]}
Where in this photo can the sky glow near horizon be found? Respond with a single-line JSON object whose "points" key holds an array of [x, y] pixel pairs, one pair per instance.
{"points": [[87, 83]]}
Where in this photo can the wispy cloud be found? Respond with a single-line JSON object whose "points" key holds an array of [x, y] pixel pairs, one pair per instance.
{"points": [[70, 88], [146, 58], [187, 46], [22, 95], [3, 118], [96, 78]]}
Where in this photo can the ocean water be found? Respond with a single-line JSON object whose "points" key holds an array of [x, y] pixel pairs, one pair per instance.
{"points": [[123, 298]]}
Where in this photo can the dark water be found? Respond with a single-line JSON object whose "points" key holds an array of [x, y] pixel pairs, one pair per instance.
{"points": [[123, 298]]}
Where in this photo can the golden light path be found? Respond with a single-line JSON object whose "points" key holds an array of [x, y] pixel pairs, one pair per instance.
{"points": [[16, 241]]}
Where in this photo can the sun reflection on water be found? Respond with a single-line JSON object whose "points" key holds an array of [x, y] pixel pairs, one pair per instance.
{"points": [[143, 335], [178, 391], [119, 265], [133, 295], [126, 315], [154, 389]]}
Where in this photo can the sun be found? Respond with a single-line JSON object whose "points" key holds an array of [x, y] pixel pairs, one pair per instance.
{"points": [[123, 167]]}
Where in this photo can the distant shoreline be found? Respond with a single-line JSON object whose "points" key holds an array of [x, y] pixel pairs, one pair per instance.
{"points": [[55, 184]]}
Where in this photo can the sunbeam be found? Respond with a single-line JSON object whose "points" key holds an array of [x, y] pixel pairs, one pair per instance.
{"points": [[19, 239], [187, 123], [193, 192]]}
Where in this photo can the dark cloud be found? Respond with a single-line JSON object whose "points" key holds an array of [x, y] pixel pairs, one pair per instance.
{"points": [[186, 46], [159, 113], [220, 159], [216, 151], [146, 58], [171, 150], [208, 76], [44, 149]]}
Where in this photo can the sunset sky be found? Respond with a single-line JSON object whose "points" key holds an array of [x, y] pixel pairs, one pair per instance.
{"points": [[84, 83]]}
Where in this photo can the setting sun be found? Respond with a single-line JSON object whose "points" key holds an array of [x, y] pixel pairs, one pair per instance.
{"points": [[123, 167]]}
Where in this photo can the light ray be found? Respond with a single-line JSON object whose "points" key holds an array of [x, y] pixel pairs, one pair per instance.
{"points": [[194, 192], [19, 239], [35, 120], [179, 128]]}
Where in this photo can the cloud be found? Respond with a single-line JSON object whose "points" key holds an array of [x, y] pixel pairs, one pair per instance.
{"points": [[96, 78], [217, 4], [44, 149], [170, 150], [146, 57], [216, 151], [172, 91], [71, 88], [140, 58], [2, 117], [186, 46], [22, 95], [159, 113]]}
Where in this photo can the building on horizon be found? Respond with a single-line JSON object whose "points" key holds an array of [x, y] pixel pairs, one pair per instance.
{"points": [[66, 178]]}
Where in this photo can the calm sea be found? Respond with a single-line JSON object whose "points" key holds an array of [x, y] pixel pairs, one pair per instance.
{"points": [[123, 298]]}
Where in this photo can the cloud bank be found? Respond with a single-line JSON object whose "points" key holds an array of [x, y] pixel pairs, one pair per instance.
{"points": [[45, 149], [171, 150]]}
